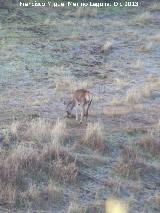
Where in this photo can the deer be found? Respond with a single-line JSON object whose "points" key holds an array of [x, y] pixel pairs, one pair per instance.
{"points": [[81, 98]]}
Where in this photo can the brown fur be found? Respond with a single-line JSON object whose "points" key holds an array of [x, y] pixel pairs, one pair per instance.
{"points": [[82, 98]]}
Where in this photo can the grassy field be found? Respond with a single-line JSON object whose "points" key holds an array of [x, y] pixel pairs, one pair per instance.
{"points": [[50, 163]]}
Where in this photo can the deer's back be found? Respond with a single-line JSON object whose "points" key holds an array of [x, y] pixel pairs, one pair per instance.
{"points": [[82, 95]]}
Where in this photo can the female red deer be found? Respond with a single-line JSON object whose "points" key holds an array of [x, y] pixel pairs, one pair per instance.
{"points": [[82, 98]]}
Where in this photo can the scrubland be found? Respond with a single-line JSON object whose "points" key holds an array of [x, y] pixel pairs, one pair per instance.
{"points": [[50, 163]]}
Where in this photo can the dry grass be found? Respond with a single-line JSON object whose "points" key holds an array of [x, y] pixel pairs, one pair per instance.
{"points": [[42, 196], [65, 172], [68, 22], [133, 96], [154, 7], [20, 158], [157, 199], [75, 208], [137, 65], [94, 136], [118, 111], [147, 46], [115, 101], [41, 131], [120, 83], [130, 164], [40, 154], [60, 163], [108, 45], [136, 94], [58, 132], [38, 102], [143, 18], [52, 150], [155, 38], [105, 67], [7, 194], [85, 12], [151, 144], [6, 137], [25, 157], [71, 84], [148, 90], [14, 128], [27, 160], [130, 129]]}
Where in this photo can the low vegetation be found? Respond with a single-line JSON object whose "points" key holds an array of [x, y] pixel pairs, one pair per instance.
{"points": [[75, 208], [137, 65], [130, 164], [108, 45], [143, 18], [94, 136], [51, 163], [151, 144]]}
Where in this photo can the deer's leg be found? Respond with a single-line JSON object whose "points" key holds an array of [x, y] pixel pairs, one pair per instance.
{"points": [[82, 113], [70, 107], [76, 113], [86, 113], [76, 108]]}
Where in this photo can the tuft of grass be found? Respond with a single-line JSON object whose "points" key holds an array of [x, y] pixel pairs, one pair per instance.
{"points": [[86, 12], [58, 132], [120, 83], [66, 172], [130, 164], [143, 18], [130, 130], [135, 95], [147, 46], [149, 88], [61, 165], [14, 128], [94, 136], [6, 137], [39, 130], [155, 38], [52, 191], [118, 111], [75, 208], [71, 84], [41, 196], [18, 159], [7, 194], [53, 149], [151, 144], [137, 65], [157, 199], [115, 101], [154, 7], [108, 45]]}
